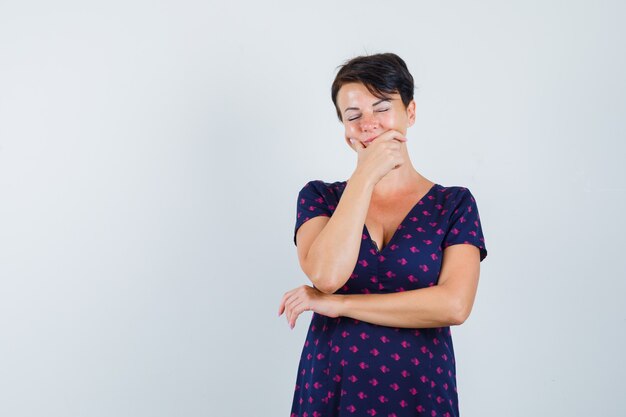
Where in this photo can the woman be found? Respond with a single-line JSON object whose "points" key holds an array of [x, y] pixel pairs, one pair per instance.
{"points": [[394, 259]]}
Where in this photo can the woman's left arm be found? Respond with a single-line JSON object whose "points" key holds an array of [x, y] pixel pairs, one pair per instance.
{"points": [[447, 303]]}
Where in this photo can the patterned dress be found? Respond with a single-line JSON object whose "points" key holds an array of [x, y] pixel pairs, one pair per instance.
{"points": [[355, 368]]}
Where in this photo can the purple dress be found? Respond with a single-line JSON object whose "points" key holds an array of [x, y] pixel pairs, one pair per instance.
{"points": [[355, 368]]}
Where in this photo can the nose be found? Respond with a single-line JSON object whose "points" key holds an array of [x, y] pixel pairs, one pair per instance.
{"points": [[368, 122]]}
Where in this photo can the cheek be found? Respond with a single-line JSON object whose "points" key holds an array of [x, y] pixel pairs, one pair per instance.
{"points": [[389, 120]]}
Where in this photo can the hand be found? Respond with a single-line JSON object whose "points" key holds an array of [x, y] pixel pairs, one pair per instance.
{"points": [[382, 155], [307, 298]]}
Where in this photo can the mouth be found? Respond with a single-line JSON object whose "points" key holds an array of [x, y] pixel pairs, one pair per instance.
{"points": [[369, 140]]}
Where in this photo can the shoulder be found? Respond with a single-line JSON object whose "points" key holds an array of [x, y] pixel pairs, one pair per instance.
{"points": [[455, 189], [324, 188], [456, 197], [455, 192], [451, 193]]}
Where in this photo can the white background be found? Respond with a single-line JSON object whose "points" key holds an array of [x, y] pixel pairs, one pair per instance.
{"points": [[150, 159]]}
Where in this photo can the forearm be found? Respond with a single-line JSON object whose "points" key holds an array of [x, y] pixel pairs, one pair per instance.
{"points": [[334, 253], [426, 307]]}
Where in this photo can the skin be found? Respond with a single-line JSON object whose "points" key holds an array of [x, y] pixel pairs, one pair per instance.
{"points": [[384, 176]]}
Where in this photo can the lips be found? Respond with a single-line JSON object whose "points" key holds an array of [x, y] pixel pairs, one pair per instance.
{"points": [[369, 140]]}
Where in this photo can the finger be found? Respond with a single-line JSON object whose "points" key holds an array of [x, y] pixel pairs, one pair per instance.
{"points": [[281, 306], [399, 137], [296, 313], [393, 134], [358, 146], [290, 306], [288, 300], [294, 299]]}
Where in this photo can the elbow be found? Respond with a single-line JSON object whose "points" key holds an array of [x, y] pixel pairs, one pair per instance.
{"points": [[325, 285], [327, 289], [319, 278], [324, 279], [459, 313], [325, 282]]}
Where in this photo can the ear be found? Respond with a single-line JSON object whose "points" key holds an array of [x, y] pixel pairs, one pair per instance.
{"points": [[410, 111]]}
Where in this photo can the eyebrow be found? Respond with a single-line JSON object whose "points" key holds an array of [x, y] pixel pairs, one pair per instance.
{"points": [[378, 102]]}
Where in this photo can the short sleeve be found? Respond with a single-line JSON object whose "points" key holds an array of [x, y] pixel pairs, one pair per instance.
{"points": [[464, 225], [311, 203]]}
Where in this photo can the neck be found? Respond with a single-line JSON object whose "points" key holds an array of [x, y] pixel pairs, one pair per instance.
{"points": [[400, 180]]}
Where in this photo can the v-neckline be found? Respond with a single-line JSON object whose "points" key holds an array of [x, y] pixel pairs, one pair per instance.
{"points": [[406, 217]]}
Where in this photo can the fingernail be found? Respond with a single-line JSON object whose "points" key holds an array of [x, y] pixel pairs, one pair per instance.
{"points": [[352, 141]]}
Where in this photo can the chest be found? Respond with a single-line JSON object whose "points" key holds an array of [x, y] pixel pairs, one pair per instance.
{"points": [[384, 218]]}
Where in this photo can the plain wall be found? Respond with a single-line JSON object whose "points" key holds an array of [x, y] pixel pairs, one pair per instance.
{"points": [[150, 159]]}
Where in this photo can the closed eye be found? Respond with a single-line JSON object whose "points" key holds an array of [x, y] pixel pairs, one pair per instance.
{"points": [[356, 117]]}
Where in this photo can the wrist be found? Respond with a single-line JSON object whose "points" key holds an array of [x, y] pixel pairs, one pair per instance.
{"points": [[338, 302], [363, 179]]}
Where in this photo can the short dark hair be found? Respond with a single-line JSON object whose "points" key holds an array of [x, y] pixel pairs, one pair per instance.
{"points": [[382, 74]]}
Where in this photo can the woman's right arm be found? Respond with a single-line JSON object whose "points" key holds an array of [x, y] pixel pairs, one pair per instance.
{"points": [[328, 247]]}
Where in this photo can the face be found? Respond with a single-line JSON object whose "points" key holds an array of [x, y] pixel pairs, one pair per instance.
{"points": [[366, 116]]}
